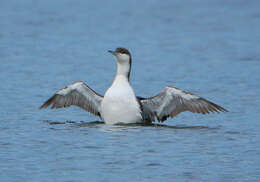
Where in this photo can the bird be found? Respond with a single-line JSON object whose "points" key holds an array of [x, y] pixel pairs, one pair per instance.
{"points": [[120, 104]]}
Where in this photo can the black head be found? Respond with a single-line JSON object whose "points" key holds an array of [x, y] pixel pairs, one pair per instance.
{"points": [[122, 51]]}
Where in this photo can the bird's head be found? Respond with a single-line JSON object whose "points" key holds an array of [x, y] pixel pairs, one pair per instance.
{"points": [[124, 61], [122, 55]]}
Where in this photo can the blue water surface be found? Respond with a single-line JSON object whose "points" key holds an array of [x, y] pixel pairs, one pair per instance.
{"points": [[210, 48]]}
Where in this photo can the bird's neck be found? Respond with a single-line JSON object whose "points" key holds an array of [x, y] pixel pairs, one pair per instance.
{"points": [[123, 70]]}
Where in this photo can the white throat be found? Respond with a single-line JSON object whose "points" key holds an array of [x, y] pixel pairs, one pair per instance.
{"points": [[123, 65], [123, 69]]}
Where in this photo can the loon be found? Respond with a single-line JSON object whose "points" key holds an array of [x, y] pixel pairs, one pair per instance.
{"points": [[121, 105]]}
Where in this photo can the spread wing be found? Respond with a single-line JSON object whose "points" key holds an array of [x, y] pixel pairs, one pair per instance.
{"points": [[77, 94], [173, 101]]}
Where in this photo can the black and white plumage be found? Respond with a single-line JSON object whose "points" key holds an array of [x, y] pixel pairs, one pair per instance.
{"points": [[77, 94], [172, 101], [120, 105]]}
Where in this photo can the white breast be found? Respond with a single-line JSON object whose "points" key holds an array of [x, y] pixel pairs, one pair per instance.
{"points": [[119, 104]]}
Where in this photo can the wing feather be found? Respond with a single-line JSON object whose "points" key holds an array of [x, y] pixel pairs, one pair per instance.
{"points": [[172, 101], [77, 94]]}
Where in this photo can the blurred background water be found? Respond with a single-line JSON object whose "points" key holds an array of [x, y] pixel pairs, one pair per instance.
{"points": [[210, 48]]}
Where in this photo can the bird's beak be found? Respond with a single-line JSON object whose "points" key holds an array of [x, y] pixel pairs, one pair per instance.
{"points": [[112, 52]]}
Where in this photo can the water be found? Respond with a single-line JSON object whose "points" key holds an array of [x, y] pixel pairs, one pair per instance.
{"points": [[208, 48]]}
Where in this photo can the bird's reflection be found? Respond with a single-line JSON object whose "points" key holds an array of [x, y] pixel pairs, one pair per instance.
{"points": [[121, 126]]}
